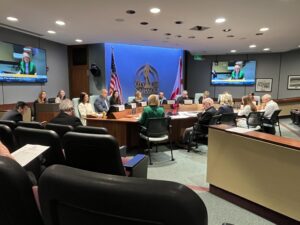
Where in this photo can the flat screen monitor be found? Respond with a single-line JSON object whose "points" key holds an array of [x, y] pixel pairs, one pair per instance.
{"points": [[22, 64], [233, 73]]}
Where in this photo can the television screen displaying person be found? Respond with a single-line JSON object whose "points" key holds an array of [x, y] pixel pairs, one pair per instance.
{"points": [[184, 96], [26, 65], [101, 104], [61, 95], [237, 73], [17, 113], [115, 98], [66, 114]]}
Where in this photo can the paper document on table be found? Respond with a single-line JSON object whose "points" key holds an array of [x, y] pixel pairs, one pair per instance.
{"points": [[179, 116], [27, 153], [238, 130], [189, 114]]}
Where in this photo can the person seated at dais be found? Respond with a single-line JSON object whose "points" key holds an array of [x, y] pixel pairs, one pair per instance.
{"points": [[205, 95], [138, 97], [101, 104], [115, 98], [85, 108], [61, 95], [162, 99], [184, 96]]}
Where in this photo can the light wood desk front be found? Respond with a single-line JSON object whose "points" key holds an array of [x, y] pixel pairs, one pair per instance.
{"points": [[259, 167]]}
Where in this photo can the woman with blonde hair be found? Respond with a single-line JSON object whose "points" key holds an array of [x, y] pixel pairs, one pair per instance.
{"points": [[61, 95], [42, 99], [153, 110], [138, 97], [247, 109], [226, 104]]}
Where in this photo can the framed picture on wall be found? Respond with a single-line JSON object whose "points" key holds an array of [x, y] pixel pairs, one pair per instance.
{"points": [[294, 82], [263, 84]]}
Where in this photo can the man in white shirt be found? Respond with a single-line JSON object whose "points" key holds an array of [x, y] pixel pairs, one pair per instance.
{"points": [[270, 107]]}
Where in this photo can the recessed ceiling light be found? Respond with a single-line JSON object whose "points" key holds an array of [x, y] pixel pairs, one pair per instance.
{"points": [[119, 20], [51, 32], [191, 37], [230, 36], [60, 23], [258, 34], [227, 30], [178, 22], [13, 19], [252, 46], [130, 11], [144, 23], [266, 49], [168, 34], [78, 40], [178, 36], [264, 29], [298, 46], [155, 10], [220, 20], [154, 29], [233, 51], [210, 37]]}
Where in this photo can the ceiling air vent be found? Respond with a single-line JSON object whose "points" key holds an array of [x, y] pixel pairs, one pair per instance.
{"points": [[20, 30], [199, 28]]}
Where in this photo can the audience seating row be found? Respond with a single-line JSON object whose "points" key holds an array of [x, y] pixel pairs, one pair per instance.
{"points": [[72, 196]]}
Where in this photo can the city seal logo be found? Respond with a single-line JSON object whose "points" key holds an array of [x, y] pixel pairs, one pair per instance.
{"points": [[147, 80]]}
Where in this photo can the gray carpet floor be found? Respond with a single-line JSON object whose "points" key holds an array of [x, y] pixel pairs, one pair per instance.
{"points": [[190, 169]]}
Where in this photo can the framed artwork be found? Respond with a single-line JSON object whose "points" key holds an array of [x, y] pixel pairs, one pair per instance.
{"points": [[294, 82], [263, 84]]}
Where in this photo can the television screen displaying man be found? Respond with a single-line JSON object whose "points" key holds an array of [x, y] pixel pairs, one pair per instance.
{"points": [[26, 65], [237, 73]]}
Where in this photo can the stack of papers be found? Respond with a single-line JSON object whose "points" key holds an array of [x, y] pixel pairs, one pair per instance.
{"points": [[239, 130], [28, 153]]}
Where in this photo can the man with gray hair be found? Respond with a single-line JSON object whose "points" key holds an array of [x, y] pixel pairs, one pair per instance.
{"points": [[66, 115], [203, 119], [184, 96], [270, 108]]}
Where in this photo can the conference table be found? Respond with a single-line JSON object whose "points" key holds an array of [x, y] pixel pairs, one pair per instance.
{"points": [[125, 126], [255, 167]]}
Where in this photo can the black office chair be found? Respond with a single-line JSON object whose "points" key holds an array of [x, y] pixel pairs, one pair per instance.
{"points": [[91, 130], [100, 153], [12, 124], [7, 138], [32, 124], [272, 122], [17, 204], [294, 113], [54, 155], [200, 132], [157, 130], [77, 197], [229, 119], [254, 119], [60, 129]]}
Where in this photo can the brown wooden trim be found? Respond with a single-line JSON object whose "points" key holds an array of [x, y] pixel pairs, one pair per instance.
{"points": [[288, 100], [10, 106], [259, 210], [282, 141]]}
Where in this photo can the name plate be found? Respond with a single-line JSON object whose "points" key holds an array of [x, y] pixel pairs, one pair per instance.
{"points": [[171, 102], [120, 107], [133, 105], [188, 102], [143, 104]]}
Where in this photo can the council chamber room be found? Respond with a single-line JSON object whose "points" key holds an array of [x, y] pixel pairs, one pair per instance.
{"points": [[150, 112]]}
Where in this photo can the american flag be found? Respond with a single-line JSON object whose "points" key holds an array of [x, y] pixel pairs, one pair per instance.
{"points": [[178, 82], [114, 84]]}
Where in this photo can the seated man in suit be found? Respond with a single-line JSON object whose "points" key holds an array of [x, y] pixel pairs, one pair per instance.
{"points": [[184, 96], [203, 119], [66, 115], [162, 99], [101, 103], [17, 113]]}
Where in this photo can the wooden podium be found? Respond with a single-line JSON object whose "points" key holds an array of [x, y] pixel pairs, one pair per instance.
{"points": [[46, 112]]}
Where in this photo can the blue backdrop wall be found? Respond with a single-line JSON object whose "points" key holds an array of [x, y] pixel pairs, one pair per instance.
{"points": [[149, 69]]}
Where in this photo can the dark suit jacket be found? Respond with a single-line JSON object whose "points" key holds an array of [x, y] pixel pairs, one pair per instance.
{"points": [[100, 105], [204, 119], [65, 119], [180, 100], [225, 109], [12, 115]]}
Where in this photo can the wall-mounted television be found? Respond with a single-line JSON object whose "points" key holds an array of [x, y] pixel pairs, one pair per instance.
{"points": [[233, 72], [22, 64]]}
